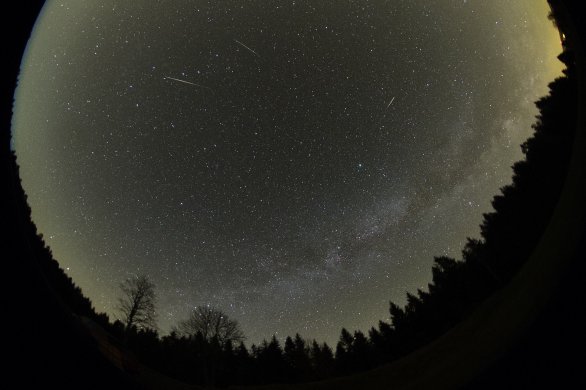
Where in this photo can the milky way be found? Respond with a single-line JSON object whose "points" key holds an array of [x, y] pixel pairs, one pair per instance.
{"points": [[296, 164]]}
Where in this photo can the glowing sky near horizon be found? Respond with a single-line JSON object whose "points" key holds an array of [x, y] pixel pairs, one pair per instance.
{"points": [[296, 164]]}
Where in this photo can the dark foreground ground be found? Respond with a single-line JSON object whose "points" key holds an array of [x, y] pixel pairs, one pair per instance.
{"points": [[529, 335]]}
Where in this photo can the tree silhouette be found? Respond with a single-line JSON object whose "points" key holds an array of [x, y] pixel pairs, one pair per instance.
{"points": [[322, 360], [297, 358], [270, 361], [212, 324], [137, 304]]}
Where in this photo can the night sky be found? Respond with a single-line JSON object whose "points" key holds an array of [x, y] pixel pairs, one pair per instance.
{"points": [[295, 164]]}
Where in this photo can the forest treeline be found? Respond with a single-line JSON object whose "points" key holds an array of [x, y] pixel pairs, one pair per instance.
{"points": [[508, 236]]}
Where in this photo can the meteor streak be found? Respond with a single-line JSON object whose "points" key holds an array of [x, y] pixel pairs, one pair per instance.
{"points": [[246, 47], [391, 102], [188, 82]]}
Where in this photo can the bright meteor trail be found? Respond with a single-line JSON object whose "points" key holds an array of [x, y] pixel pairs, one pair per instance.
{"points": [[188, 82], [246, 47]]}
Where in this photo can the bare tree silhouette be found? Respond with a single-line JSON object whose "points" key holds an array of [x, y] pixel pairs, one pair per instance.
{"points": [[137, 304], [212, 324]]}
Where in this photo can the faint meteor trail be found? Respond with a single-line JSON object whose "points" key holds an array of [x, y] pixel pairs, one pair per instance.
{"points": [[384, 114], [246, 47], [188, 82]]}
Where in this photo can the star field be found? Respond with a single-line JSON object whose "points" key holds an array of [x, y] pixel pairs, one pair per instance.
{"points": [[296, 164]]}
